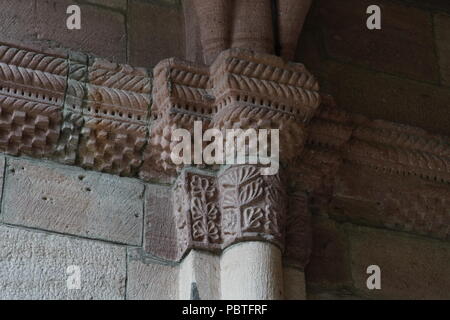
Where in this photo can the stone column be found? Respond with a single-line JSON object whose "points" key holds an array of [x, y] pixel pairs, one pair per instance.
{"points": [[213, 17], [252, 271], [253, 222], [240, 212]]}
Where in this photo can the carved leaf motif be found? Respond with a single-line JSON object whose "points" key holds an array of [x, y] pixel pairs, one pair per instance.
{"points": [[201, 186], [198, 230], [212, 212], [197, 211], [252, 218], [229, 221], [229, 198], [250, 192], [240, 175], [272, 224], [213, 231]]}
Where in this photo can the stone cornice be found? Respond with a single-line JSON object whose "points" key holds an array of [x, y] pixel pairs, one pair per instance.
{"points": [[118, 119]]}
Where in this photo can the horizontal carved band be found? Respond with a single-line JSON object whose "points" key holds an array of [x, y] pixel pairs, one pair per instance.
{"points": [[96, 114], [242, 89]]}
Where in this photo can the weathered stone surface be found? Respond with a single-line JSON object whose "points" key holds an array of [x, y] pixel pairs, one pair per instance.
{"points": [[157, 33], [442, 29], [403, 45], [73, 201], [383, 96], [408, 204], [150, 280], [33, 265], [115, 111], [115, 4], [200, 276], [294, 284], [329, 264], [2, 171], [160, 238], [252, 270], [411, 267], [18, 23], [32, 86], [244, 24], [103, 31]]}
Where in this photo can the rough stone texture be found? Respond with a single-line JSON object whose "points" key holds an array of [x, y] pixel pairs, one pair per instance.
{"points": [[442, 29], [115, 4], [251, 271], [157, 33], [411, 267], [33, 265], [244, 24], [17, 17], [103, 31], [73, 201], [329, 263], [115, 112], [2, 172], [294, 284], [199, 277], [240, 205], [150, 280], [409, 204], [32, 87], [159, 223], [405, 40], [383, 96]]}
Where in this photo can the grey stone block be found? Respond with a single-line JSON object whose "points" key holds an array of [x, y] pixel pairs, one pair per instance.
{"points": [[160, 238], [148, 280], [34, 265], [73, 201]]}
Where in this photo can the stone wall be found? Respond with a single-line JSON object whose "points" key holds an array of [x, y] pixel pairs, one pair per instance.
{"points": [[399, 73], [54, 216], [138, 32]]}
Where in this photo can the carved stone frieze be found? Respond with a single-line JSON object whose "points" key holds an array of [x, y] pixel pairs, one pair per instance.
{"points": [[376, 172], [89, 112], [32, 87], [180, 97], [115, 114], [66, 151], [242, 90]]}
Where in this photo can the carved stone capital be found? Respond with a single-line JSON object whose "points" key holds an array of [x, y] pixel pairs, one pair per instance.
{"points": [[92, 113], [240, 204], [253, 206], [241, 90]]}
